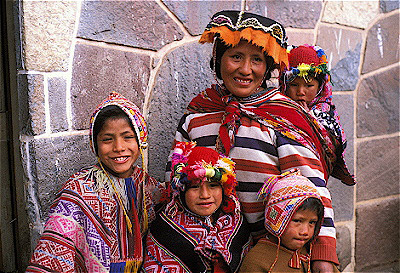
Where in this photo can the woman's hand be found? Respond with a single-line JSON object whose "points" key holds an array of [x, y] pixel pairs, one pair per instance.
{"points": [[321, 267]]}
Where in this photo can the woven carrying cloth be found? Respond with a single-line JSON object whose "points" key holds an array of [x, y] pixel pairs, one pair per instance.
{"points": [[232, 26]]}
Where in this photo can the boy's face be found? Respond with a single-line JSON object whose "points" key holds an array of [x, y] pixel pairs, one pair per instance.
{"points": [[117, 147], [300, 229], [301, 91], [204, 198]]}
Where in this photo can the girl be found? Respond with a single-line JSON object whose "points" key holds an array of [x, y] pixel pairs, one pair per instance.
{"points": [[201, 229], [244, 116], [97, 221]]}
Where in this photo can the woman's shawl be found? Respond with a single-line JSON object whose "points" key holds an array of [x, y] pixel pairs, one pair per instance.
{"points": [[180, 241], [86, 230]]}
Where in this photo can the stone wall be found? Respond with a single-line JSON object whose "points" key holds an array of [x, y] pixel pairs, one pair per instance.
{"points": [[73, 53]]}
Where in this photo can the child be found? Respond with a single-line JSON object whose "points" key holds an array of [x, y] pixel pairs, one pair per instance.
{"points": [[308, 83], [293, 216], [96, 222], [201, 229]]}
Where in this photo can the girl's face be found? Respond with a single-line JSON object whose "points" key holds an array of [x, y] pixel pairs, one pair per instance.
{"points": [[117, 147], [300, 229], [204, 198], [301, 91], [243, 68]]}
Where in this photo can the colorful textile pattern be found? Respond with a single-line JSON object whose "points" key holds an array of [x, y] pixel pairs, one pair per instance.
{"points": [[232, 26], [181, 241], [261, 150], [130, 109], [284, 194], [86, 230]]}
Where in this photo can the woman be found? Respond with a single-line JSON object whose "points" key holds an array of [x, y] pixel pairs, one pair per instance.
{"points": [[245, 117]]}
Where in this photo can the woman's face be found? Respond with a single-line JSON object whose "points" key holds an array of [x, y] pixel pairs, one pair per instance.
{"points": [[204, 198], [243, 68]]}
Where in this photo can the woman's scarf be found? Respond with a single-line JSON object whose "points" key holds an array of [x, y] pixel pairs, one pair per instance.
{"points": [[283, 115]]}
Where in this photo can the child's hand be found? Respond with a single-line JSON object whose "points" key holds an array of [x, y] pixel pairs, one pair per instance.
{"points": [[321, 267], [304, 104]]}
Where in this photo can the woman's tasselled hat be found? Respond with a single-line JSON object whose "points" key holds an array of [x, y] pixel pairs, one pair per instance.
{"points": [[194, 164], [306, 61], [130, 109], [283, 194], [231, 26]]}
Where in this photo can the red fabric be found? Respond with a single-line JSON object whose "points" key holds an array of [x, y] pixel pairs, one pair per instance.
{"points": [[324, 249], [303, 54]]}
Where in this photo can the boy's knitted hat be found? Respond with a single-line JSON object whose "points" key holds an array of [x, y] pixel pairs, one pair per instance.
{"points": [[231, 26], [193, 164], [284, 194]]}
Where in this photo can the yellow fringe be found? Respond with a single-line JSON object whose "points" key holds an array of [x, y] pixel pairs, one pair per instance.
{"points": [[132, 266]]}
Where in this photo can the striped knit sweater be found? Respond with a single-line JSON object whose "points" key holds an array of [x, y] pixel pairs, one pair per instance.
{"points": [[259, 152]]}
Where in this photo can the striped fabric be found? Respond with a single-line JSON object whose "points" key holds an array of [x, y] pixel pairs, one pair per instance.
{"points": [[259, 152]]}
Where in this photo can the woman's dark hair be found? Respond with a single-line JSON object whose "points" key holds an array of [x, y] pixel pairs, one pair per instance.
{"points": [[108, 112], [315, 205], [221, 47]]}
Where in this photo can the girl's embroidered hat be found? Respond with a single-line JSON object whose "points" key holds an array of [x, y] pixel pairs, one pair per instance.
{"points": [[305, 61], [231, 26], [193, 164], [130, 109], [284, 194]]}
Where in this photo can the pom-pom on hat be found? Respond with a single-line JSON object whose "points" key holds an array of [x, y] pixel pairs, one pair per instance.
{"points": [[193, 164], [231, 26], [284, 194]]}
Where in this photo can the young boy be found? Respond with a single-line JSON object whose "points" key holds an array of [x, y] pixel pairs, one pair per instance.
{"points": [[293, 216], [201, 229], [308, 83], [96, 222]]}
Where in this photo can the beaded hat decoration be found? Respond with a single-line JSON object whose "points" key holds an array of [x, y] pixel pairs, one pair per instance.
{"points": [[306, 61], [232, 26], [130, 109], [194, 164], [284, 194]]}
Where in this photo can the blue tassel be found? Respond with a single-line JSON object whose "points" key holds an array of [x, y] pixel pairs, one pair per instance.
{"points": [[117, 267]]}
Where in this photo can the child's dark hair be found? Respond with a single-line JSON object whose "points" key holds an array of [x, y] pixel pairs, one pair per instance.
{"points": [[220, 49], [315, 205], [109, 112]]}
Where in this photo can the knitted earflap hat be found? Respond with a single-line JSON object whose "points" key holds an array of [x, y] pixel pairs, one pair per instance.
{"points": [[305, 61], [232, 26], [193, 164], [284, 194]]}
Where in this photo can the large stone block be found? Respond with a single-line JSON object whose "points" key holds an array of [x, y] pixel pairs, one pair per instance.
{"points": [[382, 47], [57, 104], [351, 13], [388, 5], [48, 28], [377, 236], [343, 48], [184, 73], [296, 14], [343, 246], [378, 168], [299, 37], [195, 15], [97, 71], [32, 116], [141, 24], [378, 104]]}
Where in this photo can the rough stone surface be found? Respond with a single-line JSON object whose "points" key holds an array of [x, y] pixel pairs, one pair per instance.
{"points": [[343, 195], [184, 73], [388, 5], [48, 28], [195, 15], [31, 104], [97, 71], [297, 14], [377, 235], [133, 23], [56, 160], [382, 48], [299, 37], [343, 246], [378, 164], [57, 103], [350, 13], [378, 104], [343, 52]]}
